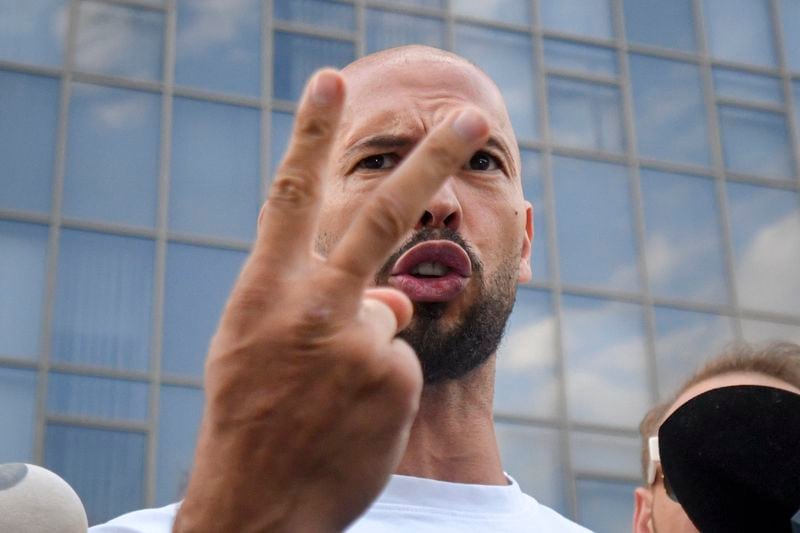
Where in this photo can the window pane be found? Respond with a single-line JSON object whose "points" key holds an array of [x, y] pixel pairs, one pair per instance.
{"points": [[106, 468], [755, 142], [591, 18], [218, 46], [760, 331], [23, 269], [385, 29], [198, 279], [738, 84], [120, 41], [532, 457], [533, 191], [178, 422], [765, 227], [605, 360], [511, 11], [103, 301], [508, 58], [595, 238], [73, 395], [326, 13], [684, 341], [298, 56], [605, 506], [18, 413], [527, 382], [669, 110], [29, 111], [790, 18], [581, 58], [214, 186], [740, 30], [112, 157], [659, 23], [282, 124], [612, 455], [585, 115], [33, 32], [440, 4], [685, 257]]}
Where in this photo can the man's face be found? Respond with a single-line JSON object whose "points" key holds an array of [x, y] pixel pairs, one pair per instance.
{"points": [[461, 263], [655, 512]]}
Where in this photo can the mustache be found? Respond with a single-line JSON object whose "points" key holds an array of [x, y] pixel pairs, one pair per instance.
{"points": [[429, 234]]}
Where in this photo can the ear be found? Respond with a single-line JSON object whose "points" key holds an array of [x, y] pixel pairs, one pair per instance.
{"points": [[642, 511], [525, 271]]}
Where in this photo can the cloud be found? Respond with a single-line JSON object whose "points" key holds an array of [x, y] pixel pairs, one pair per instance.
{"points": [[769, 269], [214, 22], [526, 381], [606, 363], [691, 339]]}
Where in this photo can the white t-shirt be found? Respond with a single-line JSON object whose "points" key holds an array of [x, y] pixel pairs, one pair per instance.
{"points": [[412, 504]]}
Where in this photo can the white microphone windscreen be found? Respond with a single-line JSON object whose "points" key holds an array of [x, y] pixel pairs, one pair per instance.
{"points": [[35, 500]]}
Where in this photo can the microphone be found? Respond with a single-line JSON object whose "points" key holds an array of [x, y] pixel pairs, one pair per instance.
{"points": [[35, 500], [732, 458]]}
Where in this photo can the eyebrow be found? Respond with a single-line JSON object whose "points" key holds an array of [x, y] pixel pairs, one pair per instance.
{"points": [[397, 142]]}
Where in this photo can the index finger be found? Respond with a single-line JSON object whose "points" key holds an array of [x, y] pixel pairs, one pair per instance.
{"points": [[396, 205]]}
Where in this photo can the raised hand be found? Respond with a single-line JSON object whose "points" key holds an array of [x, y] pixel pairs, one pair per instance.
{"points": [[309, 395]]}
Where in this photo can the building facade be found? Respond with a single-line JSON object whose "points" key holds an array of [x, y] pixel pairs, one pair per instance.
{"points": [[661, 150]]}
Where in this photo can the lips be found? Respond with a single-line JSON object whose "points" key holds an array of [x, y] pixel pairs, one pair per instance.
{"points": [[432, 271]]}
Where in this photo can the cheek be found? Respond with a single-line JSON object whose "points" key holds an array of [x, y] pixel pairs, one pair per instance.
{"points": [[494, 223], [670, 517]]}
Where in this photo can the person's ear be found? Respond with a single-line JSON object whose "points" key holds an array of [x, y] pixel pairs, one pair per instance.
{"points": [[525, 271], [643, 510]]}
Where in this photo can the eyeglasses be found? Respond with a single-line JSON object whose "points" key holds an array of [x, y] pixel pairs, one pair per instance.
{"points": [[654, 468]]}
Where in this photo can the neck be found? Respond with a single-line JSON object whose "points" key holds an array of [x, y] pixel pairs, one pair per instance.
{"points": [[453, 436]]}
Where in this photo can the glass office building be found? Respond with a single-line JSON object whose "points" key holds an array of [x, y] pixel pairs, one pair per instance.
{"points": [[661, 148]]}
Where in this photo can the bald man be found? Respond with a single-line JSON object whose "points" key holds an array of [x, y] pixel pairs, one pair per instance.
{"points": [[355, 358]]}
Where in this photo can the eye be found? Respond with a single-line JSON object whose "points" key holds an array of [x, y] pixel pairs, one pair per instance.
{"points": [[483, 161], [378, 162]]}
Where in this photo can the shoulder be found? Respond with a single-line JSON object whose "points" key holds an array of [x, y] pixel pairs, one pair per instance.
{"points": [[145, 521], [551, 520]]}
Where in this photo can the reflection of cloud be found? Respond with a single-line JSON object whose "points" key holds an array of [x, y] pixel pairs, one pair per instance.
{"points": [[59, 22], [609, 388], [106, 32], [526, 382], [759, 331], [606, 362], [122, 112], [118, 40], [669, 109], [769, 268], [215, 22], [528, 347], [682, 349]]}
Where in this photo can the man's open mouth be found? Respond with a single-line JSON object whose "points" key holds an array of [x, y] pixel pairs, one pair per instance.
{"points": [[432, 271]]}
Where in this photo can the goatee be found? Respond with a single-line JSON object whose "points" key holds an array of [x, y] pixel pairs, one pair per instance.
{"points": [[449, 353]]}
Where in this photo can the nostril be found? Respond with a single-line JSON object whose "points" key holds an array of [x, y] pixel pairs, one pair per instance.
{"points": [[426, 218], [451, 220]]}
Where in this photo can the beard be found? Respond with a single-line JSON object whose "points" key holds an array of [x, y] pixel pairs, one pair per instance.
{"points": [[449, 353]]}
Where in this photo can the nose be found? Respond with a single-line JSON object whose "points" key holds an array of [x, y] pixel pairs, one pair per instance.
{"points": [[443, 211]]}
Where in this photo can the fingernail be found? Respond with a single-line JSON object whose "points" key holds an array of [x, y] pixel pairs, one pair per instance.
{"points": [[470, 125], [325, 88]]}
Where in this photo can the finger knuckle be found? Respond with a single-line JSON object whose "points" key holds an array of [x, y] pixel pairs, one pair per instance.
{"points": [[313, 129], [441, 156], [293, 188], [386, 217]]}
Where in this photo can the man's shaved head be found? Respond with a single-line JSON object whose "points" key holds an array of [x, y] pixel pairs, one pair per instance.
{"points": [[411, 53], [394, 99]]}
